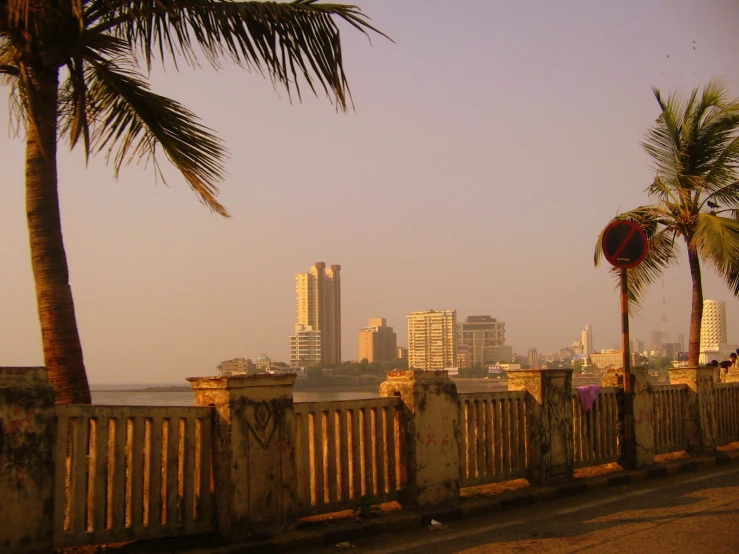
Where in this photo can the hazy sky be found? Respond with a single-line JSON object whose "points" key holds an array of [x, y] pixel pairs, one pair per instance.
{"points": [[489, 147]]}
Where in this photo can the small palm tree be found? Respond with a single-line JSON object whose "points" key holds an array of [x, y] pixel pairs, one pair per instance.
{"points": [[695, 147], [73, 70]]}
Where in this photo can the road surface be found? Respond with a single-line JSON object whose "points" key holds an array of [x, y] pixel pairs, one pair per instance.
{"points": [[690, 513]]}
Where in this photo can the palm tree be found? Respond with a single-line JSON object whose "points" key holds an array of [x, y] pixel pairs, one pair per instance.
{"points": [[695, 147], [73, 70]]}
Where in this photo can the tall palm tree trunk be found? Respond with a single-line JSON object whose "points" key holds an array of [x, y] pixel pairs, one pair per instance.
{"points": [[61, 342], [696, 311]]}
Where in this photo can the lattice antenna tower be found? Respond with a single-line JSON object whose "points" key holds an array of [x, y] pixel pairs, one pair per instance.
{"points": [[664, 316]]}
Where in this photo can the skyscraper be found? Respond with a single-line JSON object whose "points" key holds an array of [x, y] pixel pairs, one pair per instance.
{"points": [[378, 342], [713, 325], [587, 340], [432, 339], [319, 307]]}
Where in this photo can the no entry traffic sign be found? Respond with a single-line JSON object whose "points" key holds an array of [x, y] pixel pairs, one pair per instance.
{"points": [[624, 244]]}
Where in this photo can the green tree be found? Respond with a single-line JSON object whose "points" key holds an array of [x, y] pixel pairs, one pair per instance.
{"points": [[73, 70], [695, 148]]}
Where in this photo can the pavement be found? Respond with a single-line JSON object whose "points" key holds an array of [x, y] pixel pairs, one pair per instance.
{"points": [[550, 510]]}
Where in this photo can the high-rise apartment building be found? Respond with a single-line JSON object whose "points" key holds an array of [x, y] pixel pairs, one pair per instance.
{"points": [[587, 340], [713, 325], [432, 339], [305, 346], [484, 337], [319, 307], [377, 341]]}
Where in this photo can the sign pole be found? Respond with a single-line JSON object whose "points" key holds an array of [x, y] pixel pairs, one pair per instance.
{"points": [[625, 245], [628, 450], [625, 329]]}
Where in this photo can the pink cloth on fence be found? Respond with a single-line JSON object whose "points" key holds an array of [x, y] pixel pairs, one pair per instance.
{"points": [[588, 394]]}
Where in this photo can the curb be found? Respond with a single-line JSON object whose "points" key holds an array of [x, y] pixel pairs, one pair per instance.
{"points": [[473, 507]]}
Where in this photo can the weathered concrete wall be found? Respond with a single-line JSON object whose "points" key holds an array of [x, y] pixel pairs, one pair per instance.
{"points": [[550, 454], [431, 450], [26, 460], [254, 452], [700, 417]]}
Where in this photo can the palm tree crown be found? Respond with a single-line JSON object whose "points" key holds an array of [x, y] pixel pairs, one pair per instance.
{"points": [[695, 148], [78, 69]]}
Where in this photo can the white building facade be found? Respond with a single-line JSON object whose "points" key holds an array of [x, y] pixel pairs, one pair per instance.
{"points": [[432, 340], [305, 346]]}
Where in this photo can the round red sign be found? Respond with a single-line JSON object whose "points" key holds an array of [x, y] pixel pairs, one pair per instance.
{"points": [[624, 244]]}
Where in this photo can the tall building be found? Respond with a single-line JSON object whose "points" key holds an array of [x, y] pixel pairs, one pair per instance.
{"points": [[587, 340], [533, 358], [432, 339], [378, 342], [713, 325], [319, 307], [485, 338], [305, 346]]}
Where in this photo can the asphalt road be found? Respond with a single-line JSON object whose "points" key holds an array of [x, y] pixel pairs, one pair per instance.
{"points": [[690, 513]]}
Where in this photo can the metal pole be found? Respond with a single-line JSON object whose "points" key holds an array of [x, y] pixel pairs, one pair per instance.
{"points": [[625, 330], [628, 448]]}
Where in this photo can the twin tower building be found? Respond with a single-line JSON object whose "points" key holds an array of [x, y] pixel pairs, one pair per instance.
{"points": [[317, 338]]}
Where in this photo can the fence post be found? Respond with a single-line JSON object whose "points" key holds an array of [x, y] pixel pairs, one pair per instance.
{"points": [[549, 449], [253, 452], [27, 429], [430, 425], [700, 408], [643, 416]]}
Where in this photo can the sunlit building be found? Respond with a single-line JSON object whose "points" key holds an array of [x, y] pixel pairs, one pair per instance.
{"points": [[485, 338], [377, 341], [612, 358], [319, 307], [235, 366], [713, 325], [305, 346], [587, 340], [432, 339]]}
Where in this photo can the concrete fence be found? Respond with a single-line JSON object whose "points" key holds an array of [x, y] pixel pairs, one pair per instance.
{"points": [[125, 473], [246, 461]]}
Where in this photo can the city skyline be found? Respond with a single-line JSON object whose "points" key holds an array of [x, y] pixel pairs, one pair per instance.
{"points": [[483, 191]]}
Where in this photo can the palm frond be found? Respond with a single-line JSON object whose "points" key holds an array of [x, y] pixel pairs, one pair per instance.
{"points": [[285, 40], [661, 191], [716, 240], [727, 196], [132, 120]]}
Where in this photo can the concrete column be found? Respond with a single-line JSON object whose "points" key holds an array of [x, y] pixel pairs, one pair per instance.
{"points": [[643, 417], [431, 437], [700, 413], [27, 433], [549, 447], [254, 452]]}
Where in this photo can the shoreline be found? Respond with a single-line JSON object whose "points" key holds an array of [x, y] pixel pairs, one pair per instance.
{"points": [[345, 385]]}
